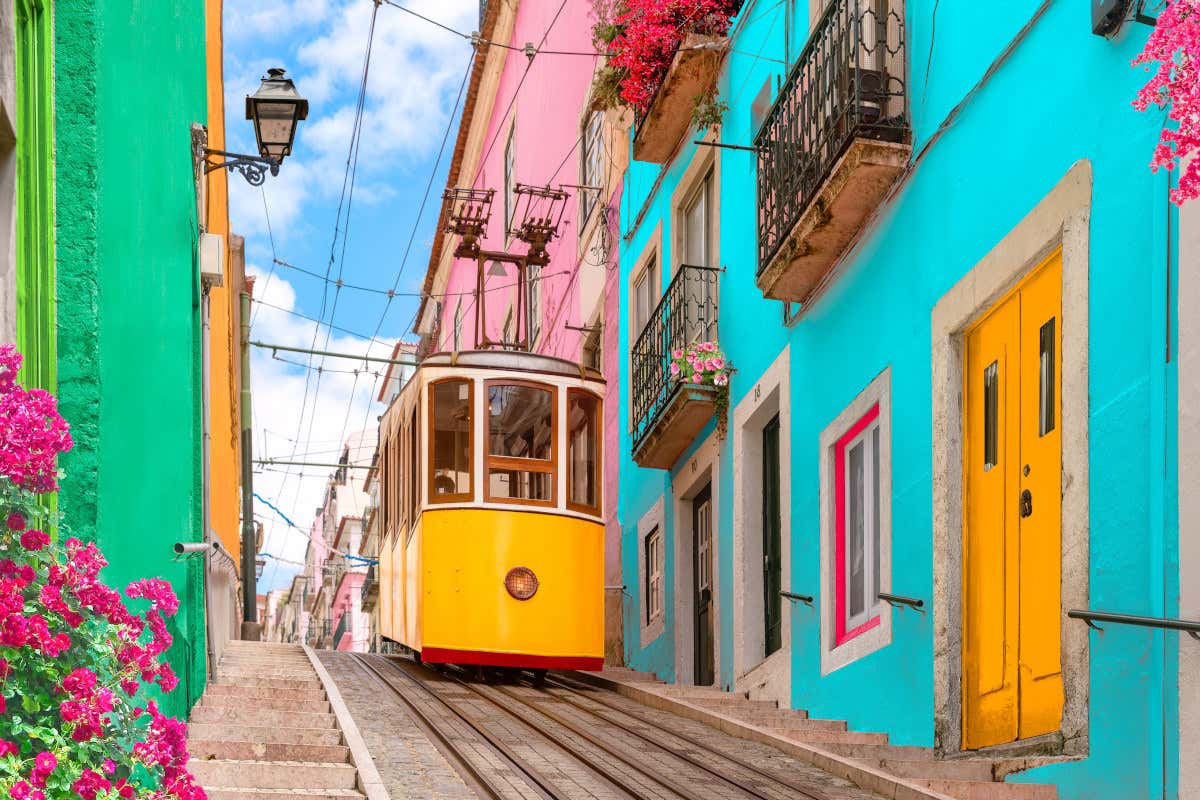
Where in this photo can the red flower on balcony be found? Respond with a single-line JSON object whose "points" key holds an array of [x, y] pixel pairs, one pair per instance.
{"points": [[640, 38]]}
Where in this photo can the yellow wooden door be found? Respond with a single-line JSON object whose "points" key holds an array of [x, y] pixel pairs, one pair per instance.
{"points": [[1012, 676]]}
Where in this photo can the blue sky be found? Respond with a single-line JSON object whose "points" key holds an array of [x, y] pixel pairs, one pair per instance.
{"points": [[415, 74]]}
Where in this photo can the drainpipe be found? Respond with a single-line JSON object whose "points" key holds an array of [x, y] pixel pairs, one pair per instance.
{"points": [[250, 627], [206, 476]]}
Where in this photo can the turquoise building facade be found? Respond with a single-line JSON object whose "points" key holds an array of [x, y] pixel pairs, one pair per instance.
{"points": [[1018, 155]]}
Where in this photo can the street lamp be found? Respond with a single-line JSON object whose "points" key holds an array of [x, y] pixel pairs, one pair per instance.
{"points": [[275, 109]]}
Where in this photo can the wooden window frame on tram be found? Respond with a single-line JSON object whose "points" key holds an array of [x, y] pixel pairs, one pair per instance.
{"points": [[543, 466], [413, 480], [598, 444], [461, 497]]}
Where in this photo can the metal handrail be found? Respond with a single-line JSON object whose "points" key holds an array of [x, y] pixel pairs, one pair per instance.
{"points": [[850, 82], [1190, 627], [897, 600], [687, 312], [807, 599]]}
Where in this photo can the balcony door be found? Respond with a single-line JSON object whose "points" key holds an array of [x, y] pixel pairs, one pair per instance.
{"points": [[1012, 545], [699, 246]]}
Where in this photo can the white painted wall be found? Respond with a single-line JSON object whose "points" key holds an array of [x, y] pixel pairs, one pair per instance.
{"points": [[8, 174], [1189, 498]]}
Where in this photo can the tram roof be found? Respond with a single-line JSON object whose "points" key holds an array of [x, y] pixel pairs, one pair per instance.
{"points": [[512, 360]]}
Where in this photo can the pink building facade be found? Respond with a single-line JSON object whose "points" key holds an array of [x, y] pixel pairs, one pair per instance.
{"points": [[529, 122]]}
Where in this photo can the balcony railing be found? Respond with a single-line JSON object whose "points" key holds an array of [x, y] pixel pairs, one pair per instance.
{"points": [[370, 589], [342, 626], [849, 83], [686, 313]]}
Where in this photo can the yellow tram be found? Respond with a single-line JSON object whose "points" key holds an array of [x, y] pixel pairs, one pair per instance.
{"points": [[492, 543]]}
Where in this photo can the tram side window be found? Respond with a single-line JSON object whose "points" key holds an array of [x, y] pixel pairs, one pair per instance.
{"points": [[413, 459], [450, 444], [521, 452], [583, 460], [401, 483]]}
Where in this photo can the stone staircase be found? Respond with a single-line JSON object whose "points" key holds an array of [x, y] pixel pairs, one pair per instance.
{"points": [[264, 730], [961, 778]]}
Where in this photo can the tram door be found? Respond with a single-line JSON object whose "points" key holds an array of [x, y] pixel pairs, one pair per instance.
{"points": [[702, 572]]}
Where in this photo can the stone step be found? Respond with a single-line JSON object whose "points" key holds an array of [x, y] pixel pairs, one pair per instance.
{"points": [[786, 720], [268, 751], [975, 790], [734, 702], [265, 703], [956, 770], [236, 793], [821, 737], [251, 693], [255, 661], [264, 666], [873, 752], [267, 682], [244, 676], [262, 717], [273, 774], [253, 648], [232, 731]]}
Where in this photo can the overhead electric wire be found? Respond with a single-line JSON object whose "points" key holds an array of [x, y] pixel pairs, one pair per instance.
{"points": [[351, 156]]}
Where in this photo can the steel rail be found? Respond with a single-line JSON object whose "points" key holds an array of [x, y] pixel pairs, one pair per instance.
{"points": [[614, 780], [667, 783], [804, 791], [539, 783]]}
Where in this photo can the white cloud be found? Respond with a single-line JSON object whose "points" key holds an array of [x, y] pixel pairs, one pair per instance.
{"points": [[344, 405], [247, 19]]}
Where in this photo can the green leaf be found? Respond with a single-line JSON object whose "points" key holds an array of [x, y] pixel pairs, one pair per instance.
{"points": [[29, 703]]}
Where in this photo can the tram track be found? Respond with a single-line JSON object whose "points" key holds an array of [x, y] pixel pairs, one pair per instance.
{"points": [[702, 767], [478, 777], [615, 784]]}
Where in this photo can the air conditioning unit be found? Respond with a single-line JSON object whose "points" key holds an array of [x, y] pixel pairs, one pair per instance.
{"points": [[212, 259], [1108, 16]]}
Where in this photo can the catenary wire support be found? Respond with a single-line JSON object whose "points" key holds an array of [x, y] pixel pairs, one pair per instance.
{"points": [[723, 146], [408, 362]]}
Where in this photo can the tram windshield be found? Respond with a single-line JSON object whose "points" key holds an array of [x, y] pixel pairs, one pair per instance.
{"points": [[520, 433]]}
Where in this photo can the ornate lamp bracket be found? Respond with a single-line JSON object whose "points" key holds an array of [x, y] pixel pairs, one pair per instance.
{"points": [[253, 168]]}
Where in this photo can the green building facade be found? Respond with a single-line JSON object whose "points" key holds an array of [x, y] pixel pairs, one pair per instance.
{"points": [[129, 80]]}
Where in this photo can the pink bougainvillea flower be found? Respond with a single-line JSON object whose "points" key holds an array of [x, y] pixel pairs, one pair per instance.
{"points": [[16, 521], [34, 539], [721, 380], [20, 790], [1172, 54], [90, 783], [7, 749], [44, 764]]}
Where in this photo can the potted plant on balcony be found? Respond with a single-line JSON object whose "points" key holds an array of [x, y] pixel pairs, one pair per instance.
{"points": [[704, 364], [662, 58]]}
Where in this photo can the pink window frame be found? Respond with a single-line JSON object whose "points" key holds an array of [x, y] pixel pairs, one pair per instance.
{"points": [[841, 635]]}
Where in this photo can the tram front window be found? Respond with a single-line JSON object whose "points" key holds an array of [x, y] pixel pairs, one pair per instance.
{"points": [[450, 449], [521, 452]]}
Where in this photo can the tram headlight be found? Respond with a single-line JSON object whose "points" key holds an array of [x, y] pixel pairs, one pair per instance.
{"points": [[521, 583]]}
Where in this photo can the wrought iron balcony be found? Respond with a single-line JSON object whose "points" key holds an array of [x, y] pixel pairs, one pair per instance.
{"points": [[342, 627], [667, 414], [370, 589], [832, 145]]}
